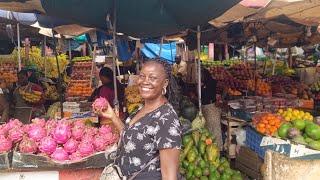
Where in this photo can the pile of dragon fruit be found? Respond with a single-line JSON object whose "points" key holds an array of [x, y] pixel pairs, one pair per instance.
{"points": [[60, 140]]}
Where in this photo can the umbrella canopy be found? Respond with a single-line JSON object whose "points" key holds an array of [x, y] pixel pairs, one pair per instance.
{"points": [[143, 18]]}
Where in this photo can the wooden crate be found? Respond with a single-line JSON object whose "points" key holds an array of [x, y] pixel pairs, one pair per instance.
{"points": [[248, 162]]}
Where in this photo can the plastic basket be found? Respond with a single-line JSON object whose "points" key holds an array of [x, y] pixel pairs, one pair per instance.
{"points": [[253, 141]]}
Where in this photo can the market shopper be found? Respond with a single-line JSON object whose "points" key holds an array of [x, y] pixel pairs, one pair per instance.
{"points": [[210, 111], [23, 110], [152, 132], [106, 90]]}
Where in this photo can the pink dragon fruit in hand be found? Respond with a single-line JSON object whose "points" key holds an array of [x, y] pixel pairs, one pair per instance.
{"points": [[75, 156], [36, 132], [16, 134], [5, 144], [39, 121], [47, 145], [60, 154], [62, 133], [14, 123], [100, 143], [28, 145], [105, 129], [71, 145], [100, 104], [85, 149]]}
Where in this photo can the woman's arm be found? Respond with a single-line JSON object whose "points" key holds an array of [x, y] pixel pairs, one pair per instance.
{"points": [[169, 162]]}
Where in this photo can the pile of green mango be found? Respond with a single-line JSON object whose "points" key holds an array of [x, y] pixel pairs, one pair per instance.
{"points": [[200, 159]]}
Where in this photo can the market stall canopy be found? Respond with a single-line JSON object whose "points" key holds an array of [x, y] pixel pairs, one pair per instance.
{"points": [[143, 18], [239, 12], [301, 11], [45, 23]]}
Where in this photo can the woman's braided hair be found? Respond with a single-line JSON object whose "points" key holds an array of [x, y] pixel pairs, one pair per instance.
{"points": [[173, 90]]}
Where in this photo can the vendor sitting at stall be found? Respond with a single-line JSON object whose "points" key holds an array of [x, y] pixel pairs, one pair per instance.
{"points": [[106, 90], [28, 98], [4, 104]]}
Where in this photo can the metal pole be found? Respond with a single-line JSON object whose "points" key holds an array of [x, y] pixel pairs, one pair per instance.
{"points": [[19, 47], [114, 52], [160, 47], [255, 68], [59, 74], [70, 51], [93, 62], [199, 67]]}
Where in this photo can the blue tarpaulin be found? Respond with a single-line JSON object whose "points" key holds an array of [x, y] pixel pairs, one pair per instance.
{"points": [[168, 51]]}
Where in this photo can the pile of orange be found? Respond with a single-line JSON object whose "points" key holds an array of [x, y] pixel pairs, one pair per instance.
{"points": [[263, 88], [79, 90], [267, 123]]}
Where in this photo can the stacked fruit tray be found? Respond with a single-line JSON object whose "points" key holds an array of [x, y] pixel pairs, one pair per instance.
{"points": [[79, 87], [8, 73]]}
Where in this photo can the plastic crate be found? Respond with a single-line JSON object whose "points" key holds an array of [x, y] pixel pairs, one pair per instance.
{"points": [[253, 141]]}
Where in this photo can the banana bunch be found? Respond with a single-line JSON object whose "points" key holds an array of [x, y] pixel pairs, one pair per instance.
{"points": [[43, 64], [53, 109], [133, 98], [32, 97], [50, 92]]}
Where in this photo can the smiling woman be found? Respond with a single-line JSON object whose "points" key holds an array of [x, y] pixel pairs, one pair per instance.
{"points": [[151, 137]]}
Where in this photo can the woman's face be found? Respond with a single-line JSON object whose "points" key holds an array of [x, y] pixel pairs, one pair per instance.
{"points": [[105, 80], [152, 80]]}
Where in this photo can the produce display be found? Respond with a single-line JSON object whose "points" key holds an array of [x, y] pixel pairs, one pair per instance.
{"points": [[61, 140], [294, 114], [302, 132], [8, 73], [50, 91], [30, 95], [133, 98], [79, 85], [200, 158], [267, 123], [47, 64], [263, 88], [286, 85]]}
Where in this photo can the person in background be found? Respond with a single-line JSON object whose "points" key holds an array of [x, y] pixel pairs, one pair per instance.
{"points": [[23, 110], [180, 68], [106, 90], [211, 112], [151, 137]]}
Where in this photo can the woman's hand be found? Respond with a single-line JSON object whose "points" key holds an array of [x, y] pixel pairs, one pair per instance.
{"points": [[109, 113], [169, 162]]}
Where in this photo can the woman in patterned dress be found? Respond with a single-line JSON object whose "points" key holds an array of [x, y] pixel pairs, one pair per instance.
{"points": [[153, 131]]}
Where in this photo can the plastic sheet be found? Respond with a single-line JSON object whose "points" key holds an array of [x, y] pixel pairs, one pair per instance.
{"points": [[23, 161], [5, 160]]}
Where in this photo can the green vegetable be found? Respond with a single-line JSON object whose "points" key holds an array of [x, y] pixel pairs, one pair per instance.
{"points": [[202, 147], [198, 172], [186, 139], [196, 137], [186, 150]]}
